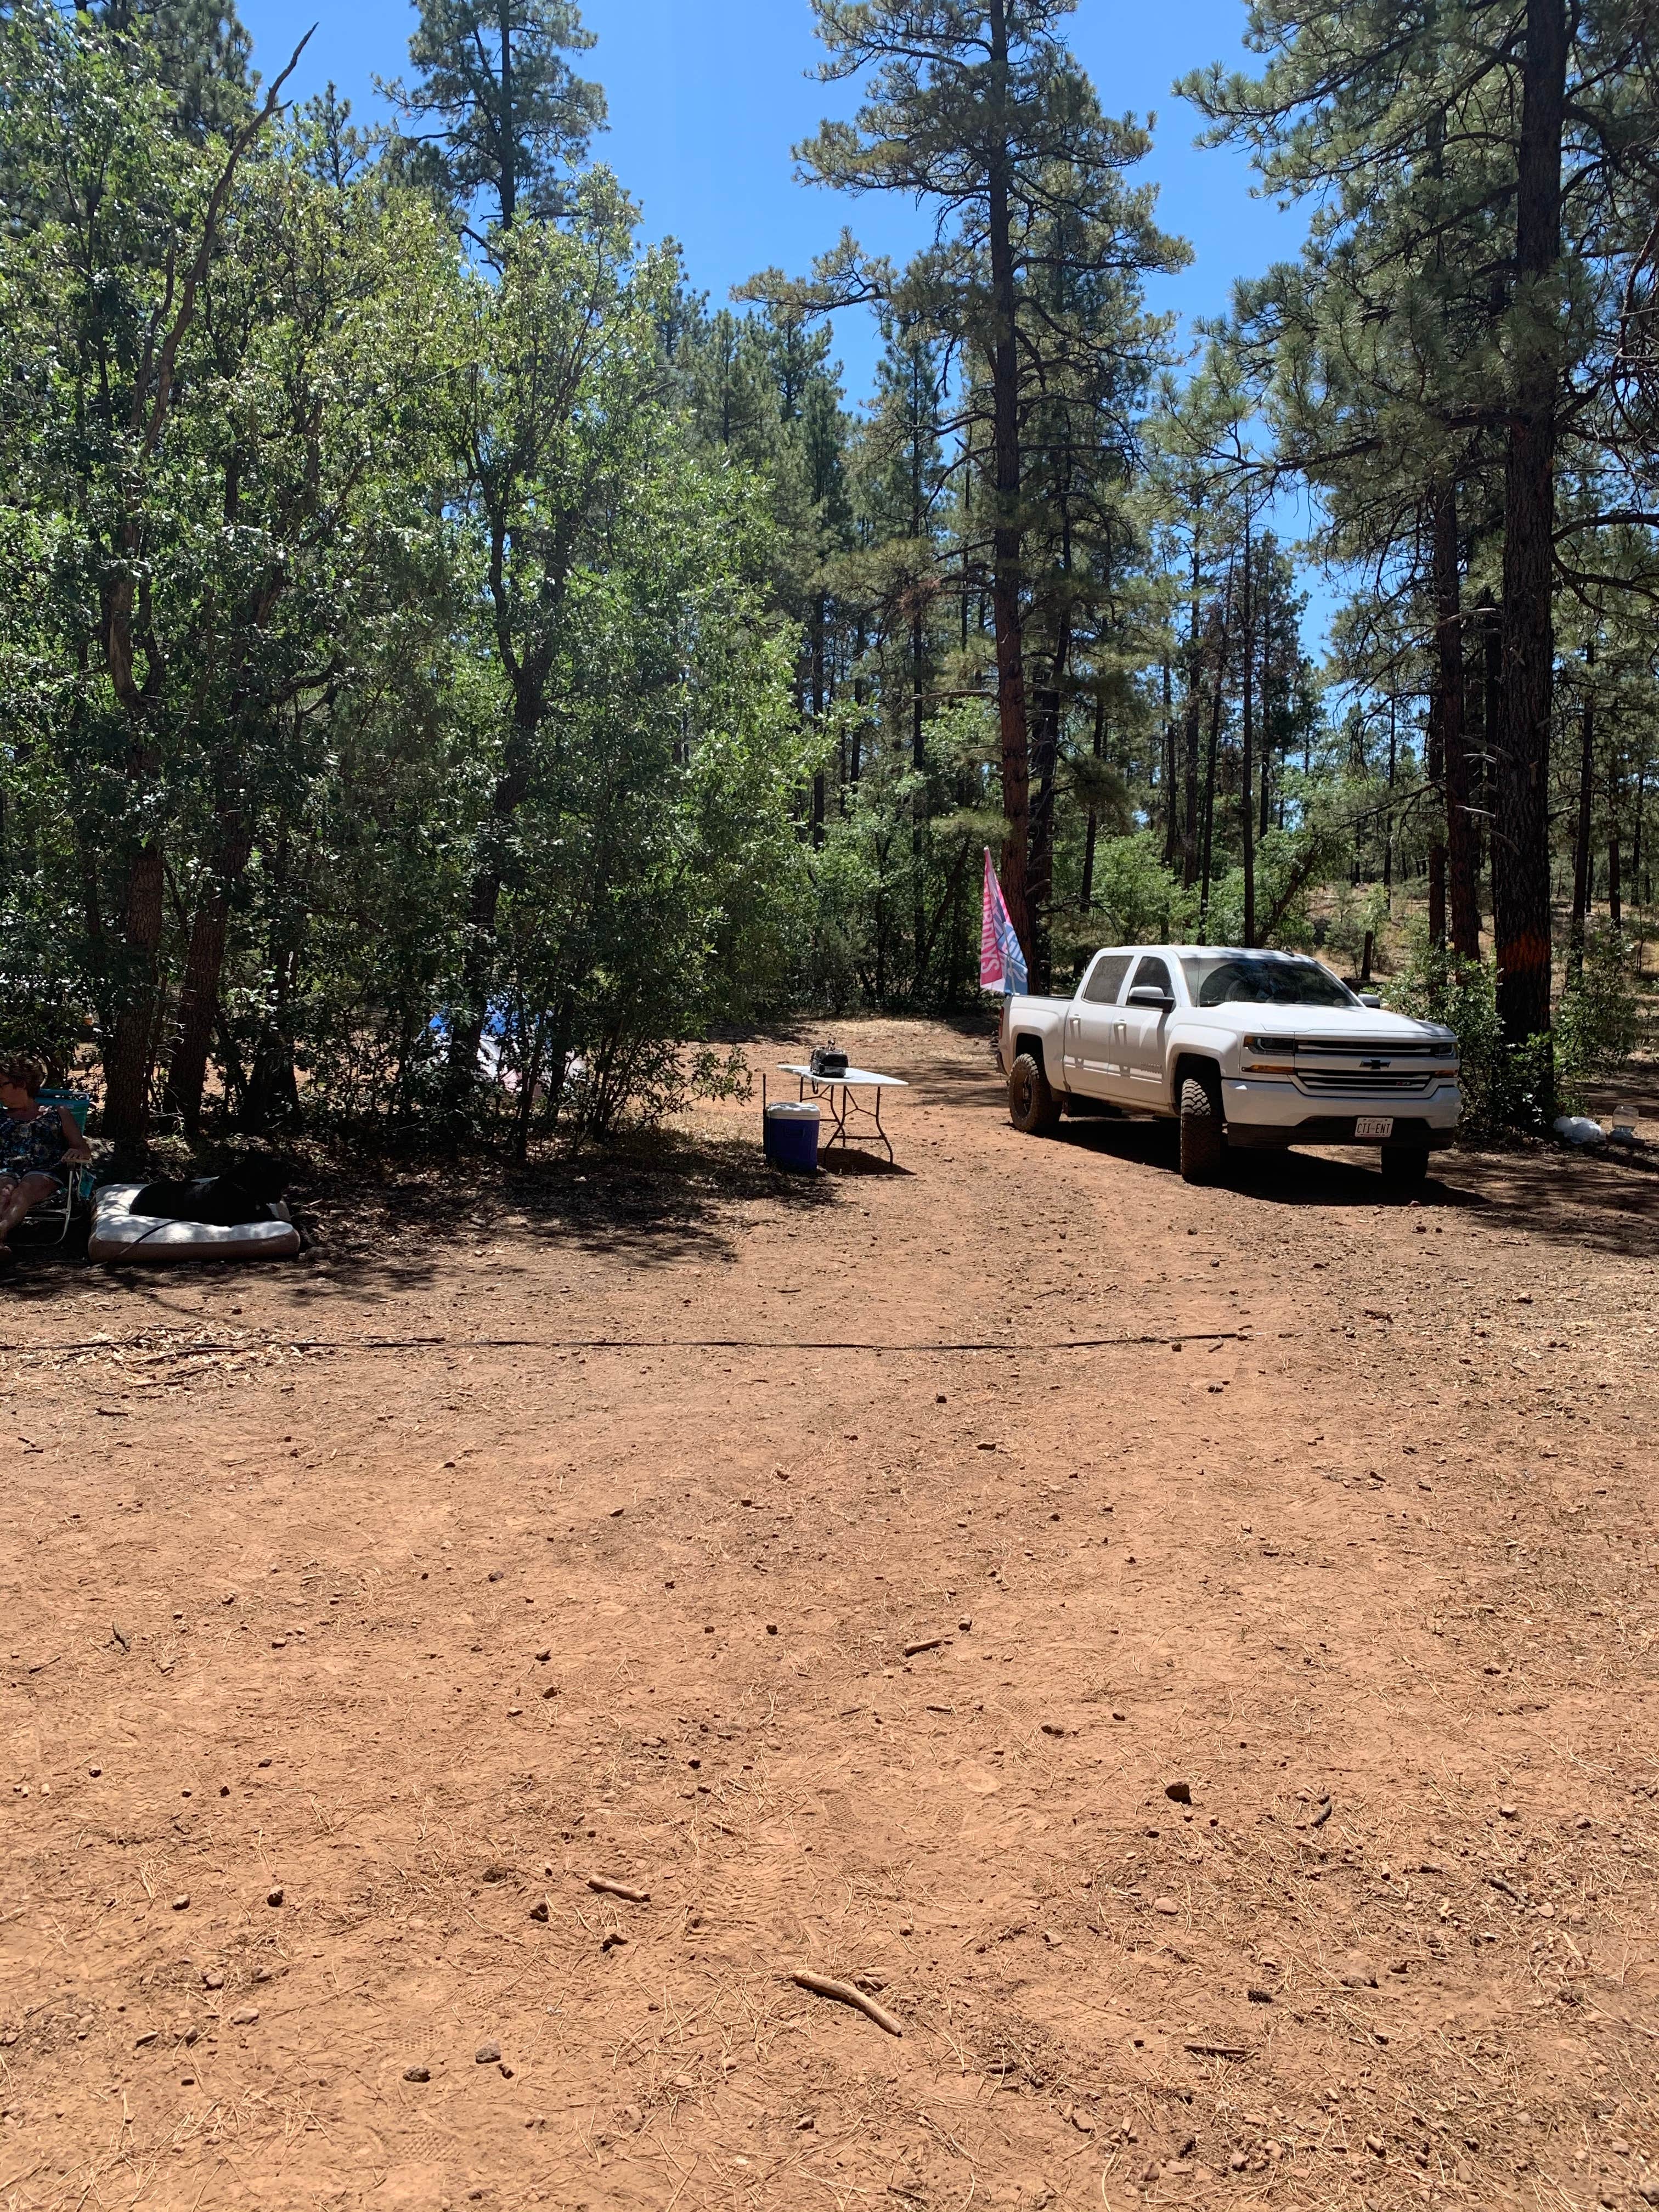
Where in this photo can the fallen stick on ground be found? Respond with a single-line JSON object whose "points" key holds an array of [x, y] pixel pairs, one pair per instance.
{"points": [[848, 1993], [605, 1887], [928, 1644], [618, 1344]]}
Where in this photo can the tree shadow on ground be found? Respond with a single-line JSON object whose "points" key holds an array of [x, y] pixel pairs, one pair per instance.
{"points": [[1584, 1202], [376, 1225], [652, 1197], [1595, 1201]]}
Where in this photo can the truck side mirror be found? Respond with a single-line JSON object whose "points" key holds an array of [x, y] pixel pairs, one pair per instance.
{"points": [[1149, 994]]}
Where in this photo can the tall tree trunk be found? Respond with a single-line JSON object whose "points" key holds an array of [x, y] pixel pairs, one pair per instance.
{"points": [[1006, 530], [1247, 792], [1267, 715], [127, 1057], [1387, 819], [1615, 884], [1194, 671], [484, 896], [1437, 828], [1615, 849], [820, 792], [919, 804], [1520, 852], [509, 142], [198, 997], [1045, 756], [1092, 833], [1636, 890], [273, 1091], [1217, 700], [1581, 849], [1171, 782], [1462, 885]]}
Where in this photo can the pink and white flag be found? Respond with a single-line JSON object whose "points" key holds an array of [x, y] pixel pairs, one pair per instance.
{"points": [[1001, 962]]}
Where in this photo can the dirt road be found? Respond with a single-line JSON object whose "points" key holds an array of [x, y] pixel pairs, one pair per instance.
{"points": [[545, 1538]]}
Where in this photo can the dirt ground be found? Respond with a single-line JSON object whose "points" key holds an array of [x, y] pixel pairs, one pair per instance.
{"points": [[646, 1520]]}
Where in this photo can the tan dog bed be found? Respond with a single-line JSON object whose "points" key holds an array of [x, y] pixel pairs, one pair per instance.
{"points": [[119, 1234]]}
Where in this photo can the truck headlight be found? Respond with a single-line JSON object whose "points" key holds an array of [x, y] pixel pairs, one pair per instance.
{"points": [[1269, 1055]]}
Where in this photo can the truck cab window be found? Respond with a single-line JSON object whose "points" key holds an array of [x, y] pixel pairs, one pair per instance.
{"points": [[1106, 979], [1154, 975]]}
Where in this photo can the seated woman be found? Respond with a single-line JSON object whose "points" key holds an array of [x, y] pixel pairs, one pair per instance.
{"points": [[35, 1142]]}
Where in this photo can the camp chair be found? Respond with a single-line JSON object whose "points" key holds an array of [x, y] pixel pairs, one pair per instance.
{"points": [[49, 1223]]}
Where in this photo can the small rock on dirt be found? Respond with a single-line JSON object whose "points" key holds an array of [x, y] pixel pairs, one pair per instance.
{"points": [[244, 2017], [417, 2073], [181, 1904], [1166, 1904], [1357, 1973], [539, 1911], [273, 1897], [488, 2054]]}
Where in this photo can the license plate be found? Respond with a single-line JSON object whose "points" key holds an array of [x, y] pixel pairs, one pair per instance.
{"points": [[1376, 1126]]}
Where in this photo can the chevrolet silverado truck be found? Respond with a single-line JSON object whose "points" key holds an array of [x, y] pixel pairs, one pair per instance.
{"points": [[1243, 1048]]}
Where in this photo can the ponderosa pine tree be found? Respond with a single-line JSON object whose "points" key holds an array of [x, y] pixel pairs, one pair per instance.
{"points": [[500, 116], [1534, 107], [978, 108]]}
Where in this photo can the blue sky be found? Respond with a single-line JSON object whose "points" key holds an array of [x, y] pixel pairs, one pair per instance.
{"points": [[707, 97]]}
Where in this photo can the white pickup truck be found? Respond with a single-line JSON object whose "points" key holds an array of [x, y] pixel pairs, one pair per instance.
{"points": [[1244, 1049]]}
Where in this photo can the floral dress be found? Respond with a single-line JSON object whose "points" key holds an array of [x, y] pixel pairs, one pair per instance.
{"points": [[33, 1144]]}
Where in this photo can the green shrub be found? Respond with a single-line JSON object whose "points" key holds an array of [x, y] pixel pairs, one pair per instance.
{"points": [[1504, 1088], [1511, 1087], [1596, 1022]]}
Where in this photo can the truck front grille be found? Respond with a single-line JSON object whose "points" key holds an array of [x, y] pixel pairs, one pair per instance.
{"points": [[1358, 1083]]}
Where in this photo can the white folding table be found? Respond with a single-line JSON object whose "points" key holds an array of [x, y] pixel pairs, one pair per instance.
{"points": [[845, 1108]]}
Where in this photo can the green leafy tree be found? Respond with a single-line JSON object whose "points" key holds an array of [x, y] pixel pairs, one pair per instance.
{"points": [[118, 225]]}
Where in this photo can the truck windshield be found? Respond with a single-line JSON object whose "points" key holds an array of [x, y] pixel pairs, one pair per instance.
{"points": [[1235, 979]]}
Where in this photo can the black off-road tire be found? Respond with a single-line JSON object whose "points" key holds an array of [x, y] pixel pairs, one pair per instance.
{"points": [[1032, 1106], [1404, 1167], [1203, 1135]]}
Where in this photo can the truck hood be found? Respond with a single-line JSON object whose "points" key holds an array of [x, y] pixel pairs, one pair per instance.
{"points": [[1355, 1027]]}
